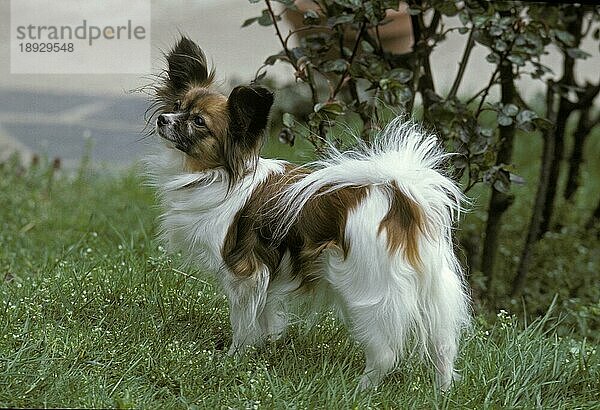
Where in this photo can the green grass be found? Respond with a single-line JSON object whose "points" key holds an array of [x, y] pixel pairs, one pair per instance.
{"points": [[93, 313]]}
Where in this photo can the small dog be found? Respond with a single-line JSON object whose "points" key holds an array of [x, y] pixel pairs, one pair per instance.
{"points": [[370, 229]]}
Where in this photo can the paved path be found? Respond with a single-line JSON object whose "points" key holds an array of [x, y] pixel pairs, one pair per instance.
{"points": [[68, 126]]}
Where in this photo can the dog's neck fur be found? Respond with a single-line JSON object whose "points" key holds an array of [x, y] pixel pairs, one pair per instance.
{"points": [[200, 207]]}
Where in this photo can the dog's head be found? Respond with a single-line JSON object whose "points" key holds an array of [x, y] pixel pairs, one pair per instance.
{"points": [[211, 129]]}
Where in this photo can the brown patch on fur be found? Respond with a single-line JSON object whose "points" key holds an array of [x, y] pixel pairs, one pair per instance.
{"points": [[320, 225], [403, 223], [206, 151]]}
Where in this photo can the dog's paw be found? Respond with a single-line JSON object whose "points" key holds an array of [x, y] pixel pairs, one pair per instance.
{"points": [[367, 383], [445, 383], [235, 350]]}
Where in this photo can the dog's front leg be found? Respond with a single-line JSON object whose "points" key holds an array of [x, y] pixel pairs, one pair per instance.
{"points": [[247, 297]]}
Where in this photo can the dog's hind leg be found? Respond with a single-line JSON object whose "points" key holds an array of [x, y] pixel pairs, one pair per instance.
{"points": [[376, 318], [380, 355], [448, 315]]}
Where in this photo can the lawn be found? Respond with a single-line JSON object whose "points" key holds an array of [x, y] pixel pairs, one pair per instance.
{"points": [[94, 313]]}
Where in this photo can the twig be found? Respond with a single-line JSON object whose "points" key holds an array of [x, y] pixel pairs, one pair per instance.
{"points": [[463, 65], [486, 90], [354, 50], [283, 42], [437, 16], [305, 28]]}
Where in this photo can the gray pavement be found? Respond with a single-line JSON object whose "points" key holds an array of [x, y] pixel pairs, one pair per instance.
{"points": [[69, 126]]}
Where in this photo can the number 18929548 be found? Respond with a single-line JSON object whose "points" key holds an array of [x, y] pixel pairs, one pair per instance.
{"points": [[46, 47]]}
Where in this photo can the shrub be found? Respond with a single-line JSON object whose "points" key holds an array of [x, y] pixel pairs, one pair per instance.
{"points": [[338, 53]]}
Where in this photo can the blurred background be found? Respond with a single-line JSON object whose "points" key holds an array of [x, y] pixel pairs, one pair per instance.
{"points": [[67, 116]]}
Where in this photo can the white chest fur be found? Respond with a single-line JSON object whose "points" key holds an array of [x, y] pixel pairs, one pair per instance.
{"points": [[199, 209]]}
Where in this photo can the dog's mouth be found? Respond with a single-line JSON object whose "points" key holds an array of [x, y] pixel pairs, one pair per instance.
{"points": [[171, 138], [165, 135], [164, 132]]}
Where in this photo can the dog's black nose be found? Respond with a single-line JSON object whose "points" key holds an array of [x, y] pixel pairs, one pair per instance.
{"points": [[162, 120]]}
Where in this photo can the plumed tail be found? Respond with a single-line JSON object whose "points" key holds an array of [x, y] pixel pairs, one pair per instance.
{"points": [[403, 157]]}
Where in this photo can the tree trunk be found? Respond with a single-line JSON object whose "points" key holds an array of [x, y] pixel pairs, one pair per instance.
{"points": [[538, 207], [564, 111], [580, 136], [499, 202], [595, 218], [554, 165], [425, 83]]}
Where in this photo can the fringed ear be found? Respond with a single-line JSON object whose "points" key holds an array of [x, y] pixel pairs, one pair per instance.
{"points": [[249, 108], [187, 66]]}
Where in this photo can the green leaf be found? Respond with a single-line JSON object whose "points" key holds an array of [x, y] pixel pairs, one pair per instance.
{"points": [[343, 19], [516, 59], [577, 53], [311, 17], [447, 8], [500, 45], [265, 19], [249, 21], [565, 37], [352, 4], [510, 110], [330, 107], [486, 132], [502, 182], [367, 48], [526, 116], [504, 120], [337, 66], [516, 179], [493, 58], [463, 30], [496, 31], [402, 75], [479, 20], [288, 119]]}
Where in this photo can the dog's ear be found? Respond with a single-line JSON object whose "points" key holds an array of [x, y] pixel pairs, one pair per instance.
{"points": [[249, 108], [187, 66]]}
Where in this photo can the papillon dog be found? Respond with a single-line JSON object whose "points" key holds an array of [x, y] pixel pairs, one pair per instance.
{"points": [[371, 229]]}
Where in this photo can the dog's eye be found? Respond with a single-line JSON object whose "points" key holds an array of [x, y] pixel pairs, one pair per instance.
{"points": [[199, 121], [177, 105]]}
